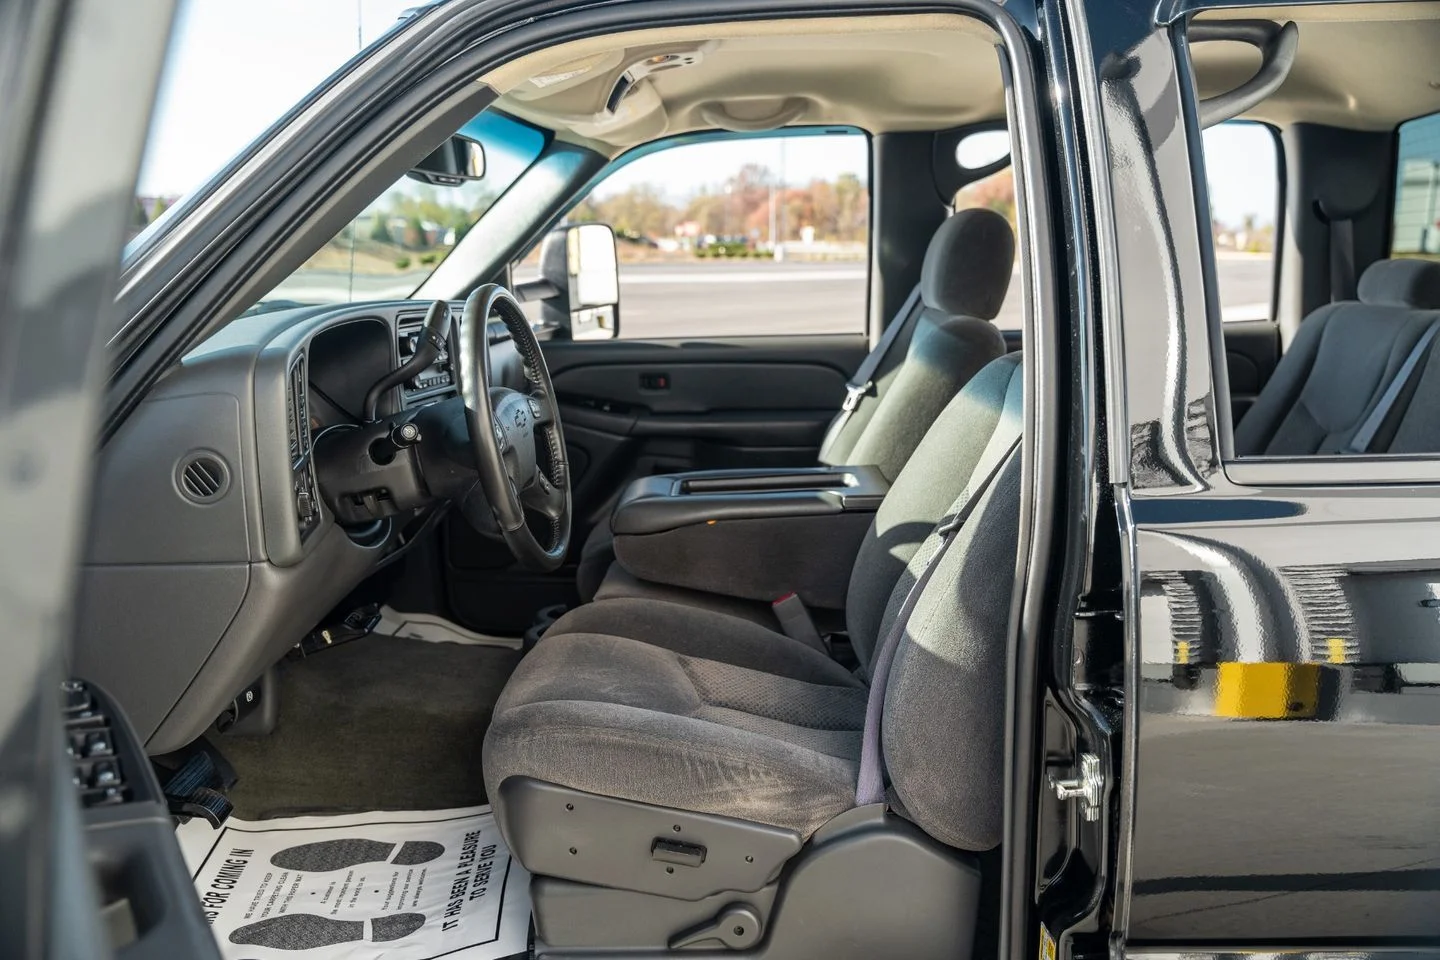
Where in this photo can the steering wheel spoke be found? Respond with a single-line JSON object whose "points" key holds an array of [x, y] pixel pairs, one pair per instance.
{"points": [[544, 497]]}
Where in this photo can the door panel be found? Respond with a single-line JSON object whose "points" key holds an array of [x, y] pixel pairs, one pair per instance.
{"points": [[1252, 348], [635, 408]]}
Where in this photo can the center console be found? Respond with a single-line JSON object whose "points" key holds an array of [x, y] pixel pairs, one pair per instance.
{"points": [[754, 534]]}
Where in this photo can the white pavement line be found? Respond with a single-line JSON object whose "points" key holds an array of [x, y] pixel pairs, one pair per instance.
{"points": [[746, 276], [1244, 311]]}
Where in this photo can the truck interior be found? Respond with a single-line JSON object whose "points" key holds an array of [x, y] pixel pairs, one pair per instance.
{"points": [[717, 625]]}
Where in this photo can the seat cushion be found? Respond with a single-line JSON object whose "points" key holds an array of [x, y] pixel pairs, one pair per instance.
{"points": [[620, 582], [701, 632], [623, 718]]}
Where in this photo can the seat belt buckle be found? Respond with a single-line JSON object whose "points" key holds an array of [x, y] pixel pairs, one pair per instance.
{"points": [[854, 393], [796, 622]]}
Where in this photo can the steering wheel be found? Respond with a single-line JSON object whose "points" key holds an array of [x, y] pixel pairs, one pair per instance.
{"points": [[518, 445]]}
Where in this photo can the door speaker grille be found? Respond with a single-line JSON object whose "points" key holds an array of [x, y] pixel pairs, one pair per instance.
{"points": [[203, 478]]}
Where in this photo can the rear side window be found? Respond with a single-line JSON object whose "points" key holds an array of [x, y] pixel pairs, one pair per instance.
{"points": [[1416, 229], [1242, 166]]}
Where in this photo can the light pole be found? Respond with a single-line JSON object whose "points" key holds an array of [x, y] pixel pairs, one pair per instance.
{"points": [[1428, 230]]}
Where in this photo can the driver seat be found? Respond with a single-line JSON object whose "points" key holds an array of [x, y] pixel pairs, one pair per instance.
{"points": [[660, 767]]}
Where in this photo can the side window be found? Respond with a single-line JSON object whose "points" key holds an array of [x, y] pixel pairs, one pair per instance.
{"points": [[738, 237], [1242, 164], [1416, 227], [1243, 170]]}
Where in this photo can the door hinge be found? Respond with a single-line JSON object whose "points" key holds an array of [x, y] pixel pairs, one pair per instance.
{"points": [[1088, 788]]}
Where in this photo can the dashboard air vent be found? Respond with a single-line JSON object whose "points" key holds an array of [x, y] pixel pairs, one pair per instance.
{"points": [[203, 478]]}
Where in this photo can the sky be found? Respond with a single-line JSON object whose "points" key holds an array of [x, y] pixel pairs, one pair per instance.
{"points": [[1241, 162], [237, 65]]}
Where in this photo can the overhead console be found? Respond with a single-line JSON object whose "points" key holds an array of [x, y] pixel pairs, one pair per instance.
{"points": [[755, 534]]}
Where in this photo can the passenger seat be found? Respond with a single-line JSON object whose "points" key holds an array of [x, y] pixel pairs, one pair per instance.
{"points": [[945, 336], [1336, 372]]}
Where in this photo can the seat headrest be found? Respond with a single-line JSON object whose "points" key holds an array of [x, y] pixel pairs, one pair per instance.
{"points": [[967, 265], [1403, 283]]}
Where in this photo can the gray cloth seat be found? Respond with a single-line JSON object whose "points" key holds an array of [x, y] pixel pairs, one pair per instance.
{"points": [[698, 710], [1340, 363], [944, 340]]}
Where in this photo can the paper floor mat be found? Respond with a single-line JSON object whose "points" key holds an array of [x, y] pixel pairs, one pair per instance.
{"points": [[404, 886]]}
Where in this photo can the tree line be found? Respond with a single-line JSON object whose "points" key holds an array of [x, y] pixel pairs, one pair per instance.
{"points": [[749, 204]]}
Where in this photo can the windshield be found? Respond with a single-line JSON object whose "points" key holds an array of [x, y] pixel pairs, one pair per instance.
{"points": [[394, 245]]}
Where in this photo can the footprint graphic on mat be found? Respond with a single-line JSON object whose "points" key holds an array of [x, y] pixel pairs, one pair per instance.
{"points": [[340, 854], [304, 931]]}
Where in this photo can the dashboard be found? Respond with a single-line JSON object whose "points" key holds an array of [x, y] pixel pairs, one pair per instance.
{"points": [[212, 549]]}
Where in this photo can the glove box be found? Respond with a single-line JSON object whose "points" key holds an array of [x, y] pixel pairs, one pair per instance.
{"points": [[756, 534]]}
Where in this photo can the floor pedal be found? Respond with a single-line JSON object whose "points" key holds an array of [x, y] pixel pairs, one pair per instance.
{"points": [[196, 788]]}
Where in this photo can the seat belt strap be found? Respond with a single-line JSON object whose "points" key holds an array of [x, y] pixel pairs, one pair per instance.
{"points": [[870, 786], [796, 622], [1360, 443], [1342, 260], [862, 383]]}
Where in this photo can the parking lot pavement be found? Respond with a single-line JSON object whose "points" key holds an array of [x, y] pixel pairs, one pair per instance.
{"points": [[758, 298]]}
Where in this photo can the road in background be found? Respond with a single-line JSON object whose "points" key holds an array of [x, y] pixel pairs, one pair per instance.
{"points": [[737, 298], [759, 297]]}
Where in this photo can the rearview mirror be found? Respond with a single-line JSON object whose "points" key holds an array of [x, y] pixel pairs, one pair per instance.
{"points": [[579, 285], [458, 160]]}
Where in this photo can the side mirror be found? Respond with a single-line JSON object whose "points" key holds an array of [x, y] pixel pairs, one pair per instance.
{"points": [[579, 285], [458, 160]]}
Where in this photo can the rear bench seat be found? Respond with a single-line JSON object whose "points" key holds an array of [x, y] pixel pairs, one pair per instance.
{"points": [[1337, 370]]}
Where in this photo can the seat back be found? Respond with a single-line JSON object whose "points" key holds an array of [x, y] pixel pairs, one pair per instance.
{"points": [[1340, 363], [984, 412], [947, 338], [942, 723]]}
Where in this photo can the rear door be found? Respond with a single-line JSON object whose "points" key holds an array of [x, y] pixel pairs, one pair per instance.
{"points": [[744, 275], [1275, 786]]}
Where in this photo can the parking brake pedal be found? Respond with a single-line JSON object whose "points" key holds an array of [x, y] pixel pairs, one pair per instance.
{"points": [[195, 790], [738, 926]]}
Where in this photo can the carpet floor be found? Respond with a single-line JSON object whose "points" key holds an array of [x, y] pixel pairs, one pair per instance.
{"points": [[382, 723]]}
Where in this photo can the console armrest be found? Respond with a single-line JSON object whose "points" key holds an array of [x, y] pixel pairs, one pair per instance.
{"points": [[756, 534]]}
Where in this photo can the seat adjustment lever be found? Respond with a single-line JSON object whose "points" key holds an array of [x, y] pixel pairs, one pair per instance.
{"points": [[738, 926]]}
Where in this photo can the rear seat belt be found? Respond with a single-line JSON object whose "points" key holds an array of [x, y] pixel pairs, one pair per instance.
{"points": [[1342, 250], [1360, 442], [1342, 260], [863, 382], [870, 787]]}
